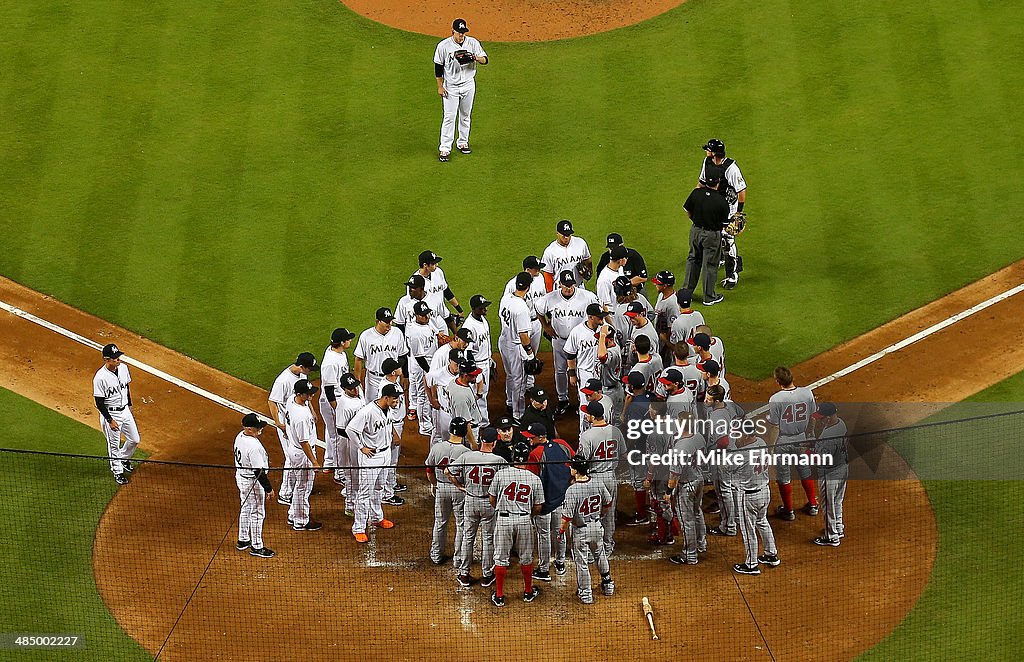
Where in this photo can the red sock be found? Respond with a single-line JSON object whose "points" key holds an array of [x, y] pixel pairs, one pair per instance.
{"points": [[811, 490], [675, 526], [786, 491], [528, 577], [662, 528], [499, 577], [641, 503]]}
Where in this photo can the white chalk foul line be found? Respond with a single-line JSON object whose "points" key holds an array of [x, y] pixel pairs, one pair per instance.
{"points": [[910, 340]]}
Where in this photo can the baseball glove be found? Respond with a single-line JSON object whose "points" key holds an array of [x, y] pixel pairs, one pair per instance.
{"points": [[458, 321], [533, 366], [585, 269], [464, 57], [737, 224]]}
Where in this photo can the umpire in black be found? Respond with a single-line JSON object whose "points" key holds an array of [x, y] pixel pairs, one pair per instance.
{"points": [[709, 212]]}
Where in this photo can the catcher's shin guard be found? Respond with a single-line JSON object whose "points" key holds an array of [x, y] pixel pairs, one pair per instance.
{"points": [[731, 267], [739, 263]]}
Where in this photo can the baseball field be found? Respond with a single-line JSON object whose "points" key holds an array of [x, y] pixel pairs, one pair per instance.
{"points": [[216, 186]]}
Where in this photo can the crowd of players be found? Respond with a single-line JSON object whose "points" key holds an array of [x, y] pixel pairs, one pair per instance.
{"points": [[512, 480]]}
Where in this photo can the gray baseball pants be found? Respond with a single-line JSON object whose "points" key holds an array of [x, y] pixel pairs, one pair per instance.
{"points": [[587, 540], [691, 518], [513, 530], [478, 515], [754, 523], [705, 254], [832, 491], [448, 503]]}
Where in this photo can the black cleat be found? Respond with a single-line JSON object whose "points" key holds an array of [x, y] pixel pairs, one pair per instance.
{"points": [[497, 600], [769, 559], [542, 575], [263, 553], [783, 514], [559, 568], [399, 487], [465, 149], [487, 580], [242, 545], [120, 479], [825, 542], [464, 580], [532, 595], [308, 526], [744, 569], [393, 501]]}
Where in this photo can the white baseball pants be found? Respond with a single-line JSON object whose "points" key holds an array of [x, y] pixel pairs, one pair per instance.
{"points": [[515, 376], [536, 333], [350, 459], [561, 370], [253, 512], [117, 452], [368, 509], [458, 105], [287, 477], [418, 399], [332, 455], [302, 487]]}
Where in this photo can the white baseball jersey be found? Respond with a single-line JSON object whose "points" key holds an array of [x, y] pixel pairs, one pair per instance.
{"points": [[421, 339], [605, 286], [683, 326], [398, 412], [666, 310], [334, 365], [373, 348], [371, 427], [439, 362], [536, 291], [437, 283], [456, 73], [301, 426], [440, 379], [347, 408], [283, 390], [250, 456], [481, 345], [566, 314], [583, 344], [404, 314], [734, 178], [515, 317], [558, 258], [791, 410], [112, 387]]}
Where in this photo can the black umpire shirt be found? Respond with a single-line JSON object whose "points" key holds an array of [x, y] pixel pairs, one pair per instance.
{"points": [[708, 209], [635, 265], [533, 415]]}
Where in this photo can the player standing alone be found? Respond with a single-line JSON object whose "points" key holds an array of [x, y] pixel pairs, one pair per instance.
{"points": [[251, 464], [114, 401], [455, 60]]}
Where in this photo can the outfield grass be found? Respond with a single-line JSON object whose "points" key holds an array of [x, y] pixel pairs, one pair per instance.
{"points": [[972, 602], [234, 179], [50, 508]]}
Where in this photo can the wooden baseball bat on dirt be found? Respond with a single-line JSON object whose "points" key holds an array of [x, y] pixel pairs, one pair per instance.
{"points": [[649, 613]]}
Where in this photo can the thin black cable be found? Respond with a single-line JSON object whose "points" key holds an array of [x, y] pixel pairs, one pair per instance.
{"points": [[754, 618]]}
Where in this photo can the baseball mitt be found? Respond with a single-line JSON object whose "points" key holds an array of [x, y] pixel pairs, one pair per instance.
{"points": [[737, 224], [464, 57], [585, 269], [533, 367]]}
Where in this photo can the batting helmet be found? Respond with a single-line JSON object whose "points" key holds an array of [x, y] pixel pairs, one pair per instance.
{"points": [[533, 367], [459, 427], [520, 453]]}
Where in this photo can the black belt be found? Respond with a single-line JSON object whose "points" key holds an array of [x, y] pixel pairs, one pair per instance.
{"points": [[513, 514], [754, 491], [117, 408], [477, 497]]}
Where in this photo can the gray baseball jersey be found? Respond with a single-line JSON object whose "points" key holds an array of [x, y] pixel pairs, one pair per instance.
{"points": [[462, 401], [685, 467], [683, 327], [666, 310], [601, 446], [611, 368], [833, 442], [584, 502], [565, 314], [441, 455], [791, 410], [752, 473], [476, 471], [516, 491], [650, 369], [645, 330]]}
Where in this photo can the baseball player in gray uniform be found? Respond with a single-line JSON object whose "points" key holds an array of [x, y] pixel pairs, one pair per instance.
{"points": [[437, 392], [516, 494], [609, 371], [448, 498], [514, 342], [372, 432], [587, 503], [389, 478], [251, 465], [831, 440], [559, 312], [380, 341], [685, 490], [704, 346], [473, 472], [593, 391], [606, 278], [656, 483], [601, 447], [789, 417], [350, 401], [423, 335], [280, 395], [686, 322], [636, 313], [481, 348], [666, 310], [334, 365], [114, 401], [752, 483], [720, 415], [462, 396], [298, 417], [647, 362], [455, 61], [566, 252]]}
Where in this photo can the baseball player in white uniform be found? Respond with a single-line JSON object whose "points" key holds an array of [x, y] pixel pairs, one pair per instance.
{"points": [[334, 365], [559, 313], [436, 285], [514, 342], [422, 334], [298, 417], [538, 289], [455, 61], [380, 341], [481, 348], [389, 483], [280, 395], [114, 401], [251, 465], [350, 401], [606, 279], [372, 431], [566, 252]]}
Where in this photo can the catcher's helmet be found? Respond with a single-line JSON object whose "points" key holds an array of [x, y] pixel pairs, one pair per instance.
{"points": [[715, 146], [458, 427], [520, 453], [533, 367]]}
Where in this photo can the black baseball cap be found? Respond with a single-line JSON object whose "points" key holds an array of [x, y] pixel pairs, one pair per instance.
{"points": [[303, 387], [592, 386], [111, 352], [595, 409], [684, 297], [701, 340], [710, 180], [459, 25], [252, 420], [523, 281], [564, 227], [595, 310], [614, 239], [532, 262], [635, 309], [537, 394], [429, 257], [710, 366], [464, 334], [622, 286], [416, 282], [458, 427], [664, 278], [385, 315], [456, 355], [488, 435], [341, 334], [618, 253], [580, 465], [634, 380], [421, 308], [504, 423], [535, 430], [307, 360], [389, 365], [391, 391], [348, 380], [479, 301], [567, 278], [825, 409]]}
